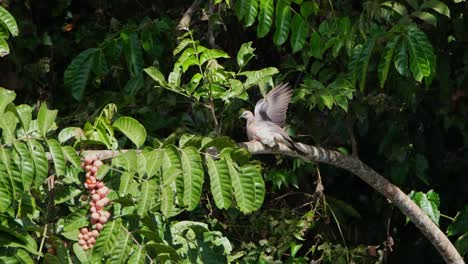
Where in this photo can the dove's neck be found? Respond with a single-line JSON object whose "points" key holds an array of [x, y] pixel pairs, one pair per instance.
{"points": [[250, 120]]}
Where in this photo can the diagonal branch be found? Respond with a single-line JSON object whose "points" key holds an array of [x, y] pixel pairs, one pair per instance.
{"points": [[376, 181]]}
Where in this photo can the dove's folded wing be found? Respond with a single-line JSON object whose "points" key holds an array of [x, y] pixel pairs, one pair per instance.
{"points": [[274, 107]]}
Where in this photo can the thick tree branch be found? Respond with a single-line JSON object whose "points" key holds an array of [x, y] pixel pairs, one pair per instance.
{"points": [[187, 17], [376, 181], [357, 167]]}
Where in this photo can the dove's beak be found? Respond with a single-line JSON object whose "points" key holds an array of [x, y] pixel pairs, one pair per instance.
{"points": [[240, 117]]}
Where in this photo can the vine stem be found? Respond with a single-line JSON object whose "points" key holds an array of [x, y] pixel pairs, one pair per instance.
{"points": [[44, 236]]}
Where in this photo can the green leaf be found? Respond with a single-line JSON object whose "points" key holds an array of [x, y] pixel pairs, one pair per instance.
{"points": [[245, 54], [138, 256], [122, 248], [24, 113], [41, 165], [299, 32], [45, 119], [10, 175], [386, 60], [182, 45], [70, 132], [125, 179], [265, 18], [156, 75], [76, 220], [419, 63], [6, 97], [5, 191], [167, 201], [256, 77], [77, 74], [82, 255], [107, 240], [147, 196], [282, 22], [437, 6], [193, 176], [429, 203], [72, 157], [364, 61], [154, 160], [460, 224], [252, 171], [210, 54], [251, 13], [57, 156], [426, 17], [462, 244], [244, 188], [308, 8], [100, 66], [4, 48], [9, 21], [316, 46], [220, 182], [132, 129], [401, 58], [26, 165], [8, 123], [133, 52], [242, 8]]}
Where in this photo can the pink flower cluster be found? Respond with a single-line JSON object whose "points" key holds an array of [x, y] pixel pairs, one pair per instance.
{"points": [[98, 191]]}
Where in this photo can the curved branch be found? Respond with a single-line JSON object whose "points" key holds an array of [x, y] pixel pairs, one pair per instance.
{"points": [[376, 181]]}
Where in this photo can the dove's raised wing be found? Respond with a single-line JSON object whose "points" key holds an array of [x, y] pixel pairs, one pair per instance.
{"points": [[274, 107]]}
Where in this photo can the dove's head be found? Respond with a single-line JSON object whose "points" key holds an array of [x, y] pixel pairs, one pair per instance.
{"points": [[247, 115]]}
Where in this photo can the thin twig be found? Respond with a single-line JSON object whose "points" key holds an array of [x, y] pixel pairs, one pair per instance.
{"points": [[44, 236]]}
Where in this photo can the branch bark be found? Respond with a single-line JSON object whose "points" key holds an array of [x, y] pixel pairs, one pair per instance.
{"points": [[376, 181], [187, 17]]}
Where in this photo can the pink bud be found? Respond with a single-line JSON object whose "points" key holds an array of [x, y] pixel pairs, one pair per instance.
{"points": [[82, 242], [103, 191], [100, 204], [90, 186], [92, 210], [88, 167], [100, 184], [84, 230], [85, 237], [92, 179], [83, 165], [105, 201], [91, 240], [94, 169], [88, 160], [94, 216], [95, 233], [99, 226], [96, 197], [97, 163], [102, 219], [80, 236], [91, 246], [85, 247]]}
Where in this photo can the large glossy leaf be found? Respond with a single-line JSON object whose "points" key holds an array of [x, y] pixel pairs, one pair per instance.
{"points": [[139, 255], [386, 59], [71, 156], [41, 165], [418, 61], [193, 176], [220, 182], [242, 8], [154, 160], [10, 174], [125, 180], [429, 203], [77, 74], [57, 156], [364, 61], [45, 119], [5, 189], [299, 32], [76, 219], [24, 114], [26, 164], [146, 200], [122, 248], [251, 13], [459, 224], [244, 188], [167, 201], [282, 22], [437, 6], [100, 66], [132, 129], [9, 21], [6, 97], [8, 123], [265, 18], [107, 240], [253, 172], [133, 52], [4, 48], [156, 75], [401, 58]]}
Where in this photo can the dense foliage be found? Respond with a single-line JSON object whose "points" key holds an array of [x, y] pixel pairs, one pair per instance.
{"points": [[161, 90]]}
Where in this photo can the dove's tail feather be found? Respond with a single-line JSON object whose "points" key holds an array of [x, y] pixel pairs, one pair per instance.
{"points": [[296, 147]]}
